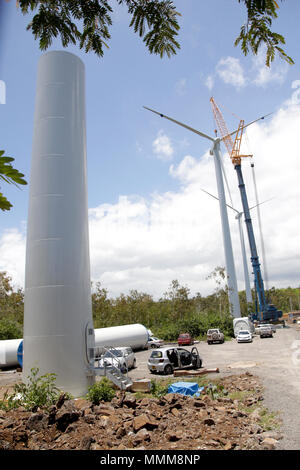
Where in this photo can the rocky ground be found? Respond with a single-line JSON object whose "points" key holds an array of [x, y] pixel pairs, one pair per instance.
{"points": [[232, 420]]}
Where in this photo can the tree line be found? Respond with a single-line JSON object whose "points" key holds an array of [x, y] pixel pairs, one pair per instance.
{"points": [[177, 311]]}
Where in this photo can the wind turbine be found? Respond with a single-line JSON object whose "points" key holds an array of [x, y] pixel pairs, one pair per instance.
{"points": [[229, 261], [243, 249]]}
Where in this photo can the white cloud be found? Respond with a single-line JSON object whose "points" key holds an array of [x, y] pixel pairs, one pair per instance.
{"points": [[209, 82], [12, 255], [144, 243], [162, 147], [263, 75], [231, 72]]}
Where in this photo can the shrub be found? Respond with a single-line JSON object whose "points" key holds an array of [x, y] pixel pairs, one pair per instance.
{"points": [[159, 389], [102, 390], [39, 392], [10, 329]]}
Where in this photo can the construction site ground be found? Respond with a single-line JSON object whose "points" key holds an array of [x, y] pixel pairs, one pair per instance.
{"points": [[257, 375]]}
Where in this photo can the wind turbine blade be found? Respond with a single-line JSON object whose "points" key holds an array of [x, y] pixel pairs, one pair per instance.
{"points": [[181, 124], [215, 197], [260, 203], [246, 125]]}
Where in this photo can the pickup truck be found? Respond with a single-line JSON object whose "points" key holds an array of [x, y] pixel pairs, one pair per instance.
{"points": [[215, 336], [266, 332]]}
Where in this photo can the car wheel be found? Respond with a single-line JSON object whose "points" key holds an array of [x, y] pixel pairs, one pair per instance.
{"points": [[134, 364], [153, 346], [168, 370]]}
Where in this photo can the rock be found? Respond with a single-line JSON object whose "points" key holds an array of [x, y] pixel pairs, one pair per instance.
{"points": [[175, 412], [130, 401], [255, 415], [272, 434], [89, 419], [170, 398], [121, 432], [65, 415], [5, 445], [37, 422], [199, 404], [143, 421], [228, 446], [172, 436], [8, 423], [209, 422], [86, 442], [268, 443], [61, 400], [104, 410], [142, 435]]}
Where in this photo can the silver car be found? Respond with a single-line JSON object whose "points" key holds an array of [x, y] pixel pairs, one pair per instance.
{"points": [[122, 358], [154, 342], [165, 360], [244, 336]]}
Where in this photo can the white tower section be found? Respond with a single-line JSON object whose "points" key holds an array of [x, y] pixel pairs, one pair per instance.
{"points": [[58, 309], [229, 261]]}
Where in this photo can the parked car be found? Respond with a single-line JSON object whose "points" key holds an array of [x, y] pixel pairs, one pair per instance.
{"points": [[215, 336], [266, 331], [263, 325], [122, 358], [166, 360], [185, 339], [154, 342], [244, 336]]}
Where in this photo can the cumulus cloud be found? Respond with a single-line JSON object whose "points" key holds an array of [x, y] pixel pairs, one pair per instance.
{"points": [[162, 147], [143, 243], [263, 75], [231, 72]]}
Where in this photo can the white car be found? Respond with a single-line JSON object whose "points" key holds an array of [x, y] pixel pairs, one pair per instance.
{"points": [[122, 358], [154, 342], [244, 336]]}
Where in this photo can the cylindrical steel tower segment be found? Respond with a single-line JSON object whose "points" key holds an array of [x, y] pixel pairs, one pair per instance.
{"points": [[57, 279]]}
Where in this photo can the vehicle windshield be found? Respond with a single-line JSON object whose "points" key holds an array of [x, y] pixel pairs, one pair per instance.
{"points": [[212, 331], [111, 354], [244, 332], [156, 354], [184, 336]]}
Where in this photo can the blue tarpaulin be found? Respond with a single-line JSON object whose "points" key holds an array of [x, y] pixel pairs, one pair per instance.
{"points": [[185, 388]]}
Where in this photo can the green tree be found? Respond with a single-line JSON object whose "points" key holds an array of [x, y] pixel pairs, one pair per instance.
{"points": [[257, 30], [9, 175], [87, 24], [11, 300]]}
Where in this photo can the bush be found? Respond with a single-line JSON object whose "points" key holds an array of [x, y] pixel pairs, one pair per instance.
{"points": [[10, 329], [159, 389], [102, 390], [39, 392]]}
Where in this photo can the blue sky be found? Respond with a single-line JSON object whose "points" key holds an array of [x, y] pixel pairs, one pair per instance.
{"points": [[148, 222]]}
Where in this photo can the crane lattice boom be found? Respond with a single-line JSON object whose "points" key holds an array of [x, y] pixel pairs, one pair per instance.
{"points": [[233, 148]]}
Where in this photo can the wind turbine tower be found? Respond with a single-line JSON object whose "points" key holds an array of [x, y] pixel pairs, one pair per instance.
{"points": [[229, 261]]}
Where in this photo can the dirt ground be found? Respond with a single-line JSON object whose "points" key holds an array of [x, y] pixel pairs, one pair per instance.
{"points": [[272, 368]]}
